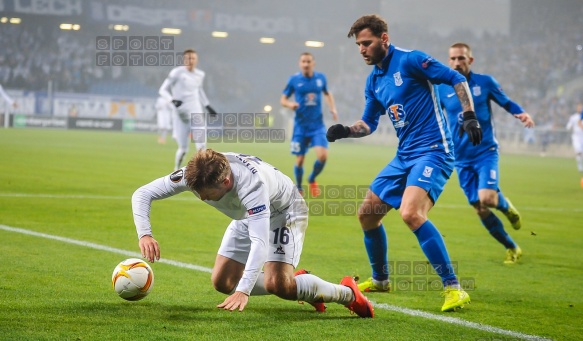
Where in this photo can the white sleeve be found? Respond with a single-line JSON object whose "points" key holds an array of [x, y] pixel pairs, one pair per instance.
{"points": [[259, 235], [257, 201], [158, 189], [166, 87], [203, 99], [5, 96], [569, 125]]}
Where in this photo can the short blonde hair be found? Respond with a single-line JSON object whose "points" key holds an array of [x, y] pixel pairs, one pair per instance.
{"points": [[207, 168], [460, 45]]}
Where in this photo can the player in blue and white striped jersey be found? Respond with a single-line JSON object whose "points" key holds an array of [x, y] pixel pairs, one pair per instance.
{"points": [[402, 85], [477, 166]]}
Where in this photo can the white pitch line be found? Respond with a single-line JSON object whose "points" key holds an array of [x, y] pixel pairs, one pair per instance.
{"points": [[412, 312], [102, 248], [458, 321], [75, 196], [113, 197]]}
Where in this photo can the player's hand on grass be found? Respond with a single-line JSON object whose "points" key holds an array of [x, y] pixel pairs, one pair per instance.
{"points": [[337, 132], [149, 248], [238, 300], [471, 126]]}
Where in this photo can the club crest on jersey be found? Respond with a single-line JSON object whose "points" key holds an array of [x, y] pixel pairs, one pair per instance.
{"points": [[319, 83], [177, 176], [256, 210], [476, 90], [397, 115], [427, 171], [398, 79]]}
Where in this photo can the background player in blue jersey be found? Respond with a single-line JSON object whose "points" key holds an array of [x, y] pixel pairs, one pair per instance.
{"points": [[401, 85], [309, 129], [477, 166]]}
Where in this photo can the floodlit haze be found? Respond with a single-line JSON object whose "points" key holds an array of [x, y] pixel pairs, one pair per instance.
{"points": [[248, 49]]}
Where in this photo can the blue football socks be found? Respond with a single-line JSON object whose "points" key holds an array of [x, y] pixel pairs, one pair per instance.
{"points": [[502, 203], [496, 229], [318, 166], [376, 244], [433, 246], [299, 172]]}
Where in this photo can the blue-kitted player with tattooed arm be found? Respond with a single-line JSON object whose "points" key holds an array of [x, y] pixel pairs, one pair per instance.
{"points": [[477, 166], [402, 84]]}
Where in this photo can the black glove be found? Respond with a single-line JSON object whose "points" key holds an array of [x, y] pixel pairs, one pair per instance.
{"points": [[211, 110], [472, 127], [176, 103], [337, 132], [184, 117]]}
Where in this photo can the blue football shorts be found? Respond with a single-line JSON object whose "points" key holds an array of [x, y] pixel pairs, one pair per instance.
{"points": [[482, 174], [429, 172], [301, 140]]}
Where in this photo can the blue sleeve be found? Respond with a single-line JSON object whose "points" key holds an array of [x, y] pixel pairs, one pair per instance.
{"points": [[498, 96], [513, 108], [373, 109], [421, 65], [289, 88], [325, 82]]}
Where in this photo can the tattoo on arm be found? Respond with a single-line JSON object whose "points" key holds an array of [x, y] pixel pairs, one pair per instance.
{"points": [[463, 93], [359, 129]]}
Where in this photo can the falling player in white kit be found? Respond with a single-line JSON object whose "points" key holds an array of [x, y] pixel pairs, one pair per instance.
{"points": [[184, 88], [575, 125], [267, 231], [164, 109]]}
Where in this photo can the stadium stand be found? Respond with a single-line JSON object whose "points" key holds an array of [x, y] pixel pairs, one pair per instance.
{"points": [[539, 67]]}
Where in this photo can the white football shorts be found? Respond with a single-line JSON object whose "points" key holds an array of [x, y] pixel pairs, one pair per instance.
{"points": [[577, 144], [286, 237]]}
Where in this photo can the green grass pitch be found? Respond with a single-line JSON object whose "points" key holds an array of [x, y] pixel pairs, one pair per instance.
{"points": [[78, 185]]}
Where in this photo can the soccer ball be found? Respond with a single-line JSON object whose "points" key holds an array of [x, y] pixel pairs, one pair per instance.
{"points": [[132, 279]]}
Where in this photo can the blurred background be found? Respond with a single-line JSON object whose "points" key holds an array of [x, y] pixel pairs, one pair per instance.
{"points": [[49, 57]]}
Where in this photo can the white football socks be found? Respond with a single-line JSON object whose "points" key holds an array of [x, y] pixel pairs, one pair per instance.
{"points": [[178, 158], [314, 289]]}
